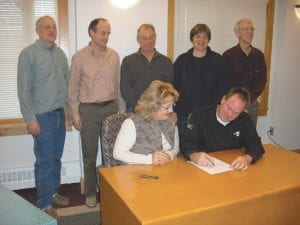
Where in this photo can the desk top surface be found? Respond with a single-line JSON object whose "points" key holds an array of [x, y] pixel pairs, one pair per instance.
{"points": [[183, 188]]}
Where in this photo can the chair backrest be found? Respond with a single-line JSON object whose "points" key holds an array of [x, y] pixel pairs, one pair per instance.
{"points": [[110, 129]]}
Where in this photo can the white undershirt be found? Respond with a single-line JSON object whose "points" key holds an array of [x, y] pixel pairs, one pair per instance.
{"points": [[127, 138], [221, 121]]}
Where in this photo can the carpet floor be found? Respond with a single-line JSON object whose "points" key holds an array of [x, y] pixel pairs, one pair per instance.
{"points": [[77, 213], [89, 218], [69, 190]]}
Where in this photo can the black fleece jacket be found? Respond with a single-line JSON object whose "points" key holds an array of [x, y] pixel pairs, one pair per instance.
{"points": [[204, 133]]}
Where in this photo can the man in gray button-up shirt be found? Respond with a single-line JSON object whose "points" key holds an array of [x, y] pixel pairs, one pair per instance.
{"points": [[139, 69], [42, 89]]}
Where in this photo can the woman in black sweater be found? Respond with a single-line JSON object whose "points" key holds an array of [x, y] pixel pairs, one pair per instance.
{"points": [[200, 76]]}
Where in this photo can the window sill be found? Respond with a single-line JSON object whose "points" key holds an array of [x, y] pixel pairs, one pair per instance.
{"points": [[14, 127]]}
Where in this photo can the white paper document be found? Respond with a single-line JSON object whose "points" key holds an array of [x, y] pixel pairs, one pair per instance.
{"points": [[219, 167]]}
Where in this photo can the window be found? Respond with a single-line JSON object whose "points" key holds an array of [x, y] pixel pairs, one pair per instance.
{"points": [[17, 30], [221, 16]]}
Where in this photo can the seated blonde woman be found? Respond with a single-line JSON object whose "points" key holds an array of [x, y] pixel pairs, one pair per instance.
{"points": [[150, 136]]}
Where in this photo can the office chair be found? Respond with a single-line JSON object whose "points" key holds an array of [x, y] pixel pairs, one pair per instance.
{"points": [[110, 129]]}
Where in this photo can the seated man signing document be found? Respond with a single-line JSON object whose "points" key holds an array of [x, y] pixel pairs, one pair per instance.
{"points": [[217, 128]]}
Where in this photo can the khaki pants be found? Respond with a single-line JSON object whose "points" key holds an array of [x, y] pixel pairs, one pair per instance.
{"points": [[91, 118]]}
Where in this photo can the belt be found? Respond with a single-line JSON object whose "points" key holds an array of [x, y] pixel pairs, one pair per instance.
{"points": [[105, 103], [57, 110]]}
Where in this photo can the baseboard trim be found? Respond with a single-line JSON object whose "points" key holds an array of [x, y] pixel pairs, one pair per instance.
{"points": [[77, 210], [296, 151]]}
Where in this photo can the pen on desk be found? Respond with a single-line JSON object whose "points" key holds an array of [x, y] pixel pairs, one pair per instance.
{"points": [[148, 176], [212, 162]]}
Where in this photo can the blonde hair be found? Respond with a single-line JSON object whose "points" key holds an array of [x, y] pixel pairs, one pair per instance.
{"points": [[154, 97]]}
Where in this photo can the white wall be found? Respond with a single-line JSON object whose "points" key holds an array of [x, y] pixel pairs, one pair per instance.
{"points": [[124, 23], [17, 160], [284, 94]]}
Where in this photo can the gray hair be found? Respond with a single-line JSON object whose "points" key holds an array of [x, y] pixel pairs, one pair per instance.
{"points": [[38, 22], [238, 24], [145, 26]]}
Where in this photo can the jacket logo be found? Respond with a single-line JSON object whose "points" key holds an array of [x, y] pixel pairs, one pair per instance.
{"points": [[190, 126], [237, 133]]}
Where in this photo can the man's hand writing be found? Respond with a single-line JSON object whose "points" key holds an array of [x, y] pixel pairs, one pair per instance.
{"points": [[202, 159]]}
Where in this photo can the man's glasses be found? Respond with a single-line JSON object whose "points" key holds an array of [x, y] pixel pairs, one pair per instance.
{"points": [[248, 29]]}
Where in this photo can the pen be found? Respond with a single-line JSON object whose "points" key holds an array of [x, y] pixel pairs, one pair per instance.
{"points": [[148, 176]]}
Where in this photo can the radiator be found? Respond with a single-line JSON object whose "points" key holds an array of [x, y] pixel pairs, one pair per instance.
{"points": [[19, 178]]}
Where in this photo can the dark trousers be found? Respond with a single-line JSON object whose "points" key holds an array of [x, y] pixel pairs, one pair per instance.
{"points": [[252, 110]]}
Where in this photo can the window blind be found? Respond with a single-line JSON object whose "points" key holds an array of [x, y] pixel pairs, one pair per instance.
{"points": [[17, 30], [220, 16]]}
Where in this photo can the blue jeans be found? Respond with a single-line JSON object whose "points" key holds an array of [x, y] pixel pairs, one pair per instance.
{"points": [[48, 149]]}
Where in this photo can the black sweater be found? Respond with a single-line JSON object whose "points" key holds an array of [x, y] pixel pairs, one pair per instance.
{"points": [[200, 81], [204, 133]]}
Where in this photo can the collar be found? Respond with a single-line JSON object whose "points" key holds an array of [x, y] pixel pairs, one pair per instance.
{"points": [[221, 121], [240, 51], [156, 53], [43, 44], [95, 51], [208, 51]]}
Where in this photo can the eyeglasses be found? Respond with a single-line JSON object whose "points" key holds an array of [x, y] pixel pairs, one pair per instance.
{"points": [[168, 108], [252, 29]]}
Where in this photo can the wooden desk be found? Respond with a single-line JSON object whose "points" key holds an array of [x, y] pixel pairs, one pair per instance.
{"points": [[268, 193]]}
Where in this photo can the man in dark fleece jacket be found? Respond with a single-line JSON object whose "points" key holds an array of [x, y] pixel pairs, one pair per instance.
{"points": [[222, 127]]}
